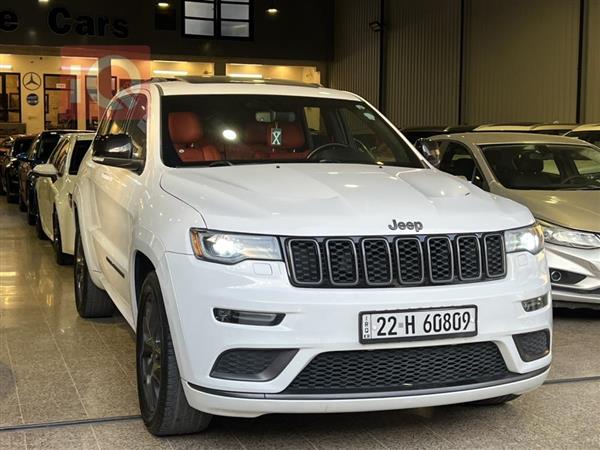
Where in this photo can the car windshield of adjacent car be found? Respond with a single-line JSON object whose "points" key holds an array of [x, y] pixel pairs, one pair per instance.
{"points": [[591, 136], [544, 166], [21, 145], [47, 145], [216, 130]]}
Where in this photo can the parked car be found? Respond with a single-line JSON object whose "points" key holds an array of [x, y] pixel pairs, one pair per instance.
{"points": [[280, 248], [589, 132], [54, 190], [528, 127], [558, 179], [9, 173], [38, 153], [415, 133]]}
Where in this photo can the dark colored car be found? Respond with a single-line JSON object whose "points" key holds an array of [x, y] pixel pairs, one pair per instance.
{"points": [[9, 165], [38, 153], [416, 133]]}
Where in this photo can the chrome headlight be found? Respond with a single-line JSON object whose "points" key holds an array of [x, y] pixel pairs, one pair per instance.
{"points": [[529, 239], [569, 238], [231, 248]]}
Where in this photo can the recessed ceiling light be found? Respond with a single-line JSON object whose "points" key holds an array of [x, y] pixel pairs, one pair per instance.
{"points": [[163, 4], [272, 11], [6, 66], [246, 75]]}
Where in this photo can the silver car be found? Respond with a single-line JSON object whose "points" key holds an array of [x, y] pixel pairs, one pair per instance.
{"points": [[557, 178]]}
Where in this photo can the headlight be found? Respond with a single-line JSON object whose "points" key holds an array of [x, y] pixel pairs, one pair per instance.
{"points": [[229, 248], [529, 239], [569, 238]]}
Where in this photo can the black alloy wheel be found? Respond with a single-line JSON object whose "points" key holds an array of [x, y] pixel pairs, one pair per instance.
{"points": [[90, 300], [62, 258], [163, 404]]}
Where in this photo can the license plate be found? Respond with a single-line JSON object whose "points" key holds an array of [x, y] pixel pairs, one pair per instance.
{"points": [[417, 324]]}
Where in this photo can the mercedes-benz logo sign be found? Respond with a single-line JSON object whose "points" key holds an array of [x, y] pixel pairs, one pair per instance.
{"points": [[32, 81]]}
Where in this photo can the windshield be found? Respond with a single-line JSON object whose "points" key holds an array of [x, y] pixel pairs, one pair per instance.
{"points": [[48, 143], [542, 166], [253, 129], [21, 145], [593, 137]]}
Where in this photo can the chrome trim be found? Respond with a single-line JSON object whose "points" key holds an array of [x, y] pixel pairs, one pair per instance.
{"points": [[502, 251], [329, 267], [420, 247], [390, 263], [468, 236], [291, 259], [444, 280]]}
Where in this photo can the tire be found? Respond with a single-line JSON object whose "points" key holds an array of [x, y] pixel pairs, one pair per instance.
{"points": [[22, 205], [163, 405], [39, 230], [496, 400], [62, 259], [31, 211], [90, 300], [10, 196]]}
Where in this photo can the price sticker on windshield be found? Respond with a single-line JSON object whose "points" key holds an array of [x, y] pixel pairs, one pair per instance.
{"points": [[276, 136]]}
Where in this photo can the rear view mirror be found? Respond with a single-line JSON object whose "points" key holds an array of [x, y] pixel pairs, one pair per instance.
{"points": [[116, 150], [45, 170], [274, 116]]}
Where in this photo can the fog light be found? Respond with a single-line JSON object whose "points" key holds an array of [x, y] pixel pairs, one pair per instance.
{"points": [[248, 317], [533, 304]]}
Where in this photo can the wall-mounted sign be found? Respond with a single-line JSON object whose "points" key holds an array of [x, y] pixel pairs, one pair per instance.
{"points": [[32, 81], [33, 99]]}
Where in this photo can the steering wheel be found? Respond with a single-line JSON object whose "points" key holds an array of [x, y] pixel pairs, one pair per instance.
{"points": [[314, 155], [568, 180]]}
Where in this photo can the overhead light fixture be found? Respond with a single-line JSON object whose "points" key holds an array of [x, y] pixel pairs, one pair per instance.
{"points": [[272, 10], [77, 68], [180, 73], [163, 5], [164, 61], [43, 1], [6, 66], [246, 75]]}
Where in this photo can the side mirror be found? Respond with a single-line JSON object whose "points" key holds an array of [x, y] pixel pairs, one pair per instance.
{"points": [[22, 157], [430, 150], [45, 170], [115, 150]]}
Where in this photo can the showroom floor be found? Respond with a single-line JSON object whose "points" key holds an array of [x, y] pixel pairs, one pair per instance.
{"points": [[56, 367]]}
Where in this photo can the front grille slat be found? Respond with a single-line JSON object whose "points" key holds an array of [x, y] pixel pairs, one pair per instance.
{"points": [[377, 260], [395, 261], [401, 369]]}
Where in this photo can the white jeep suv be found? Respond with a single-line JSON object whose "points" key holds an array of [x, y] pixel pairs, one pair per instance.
{"points": [[281, 248]]}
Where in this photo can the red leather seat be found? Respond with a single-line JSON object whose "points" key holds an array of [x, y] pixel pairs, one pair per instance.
{"points": [[292, 146], [254, 141], [187, 136]]}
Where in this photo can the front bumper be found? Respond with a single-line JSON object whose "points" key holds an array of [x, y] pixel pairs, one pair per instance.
{"points": [[326, 320], [583, 262]]}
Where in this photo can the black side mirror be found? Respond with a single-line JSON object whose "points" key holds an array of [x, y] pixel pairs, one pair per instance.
{"points": [[430, 150], [116, 150]]}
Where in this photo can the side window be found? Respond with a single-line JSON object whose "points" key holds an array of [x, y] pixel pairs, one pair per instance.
{"points": [[137, 126], [317, 127], [359, 124], [33, 149], [115, 117], [457, 160]]}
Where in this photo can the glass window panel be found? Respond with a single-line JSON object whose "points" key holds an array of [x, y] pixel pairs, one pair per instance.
{"points": [[200, 10], [237, 12], [235, 29], [199, 27]]}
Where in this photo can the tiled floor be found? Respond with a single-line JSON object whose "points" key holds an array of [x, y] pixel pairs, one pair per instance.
{"points": [[55, 366]]}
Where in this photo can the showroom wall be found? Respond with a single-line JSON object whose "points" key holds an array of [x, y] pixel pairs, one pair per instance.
{"points": [[356, 66], [508, 60]]}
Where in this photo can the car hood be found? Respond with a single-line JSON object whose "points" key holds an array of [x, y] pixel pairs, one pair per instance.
{"points": [[579, 210], [338, 199]]}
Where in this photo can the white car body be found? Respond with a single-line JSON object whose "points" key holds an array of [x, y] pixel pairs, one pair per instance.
{"points": [[54, 194], [589, 132], [130, 219], [572, 209]]}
